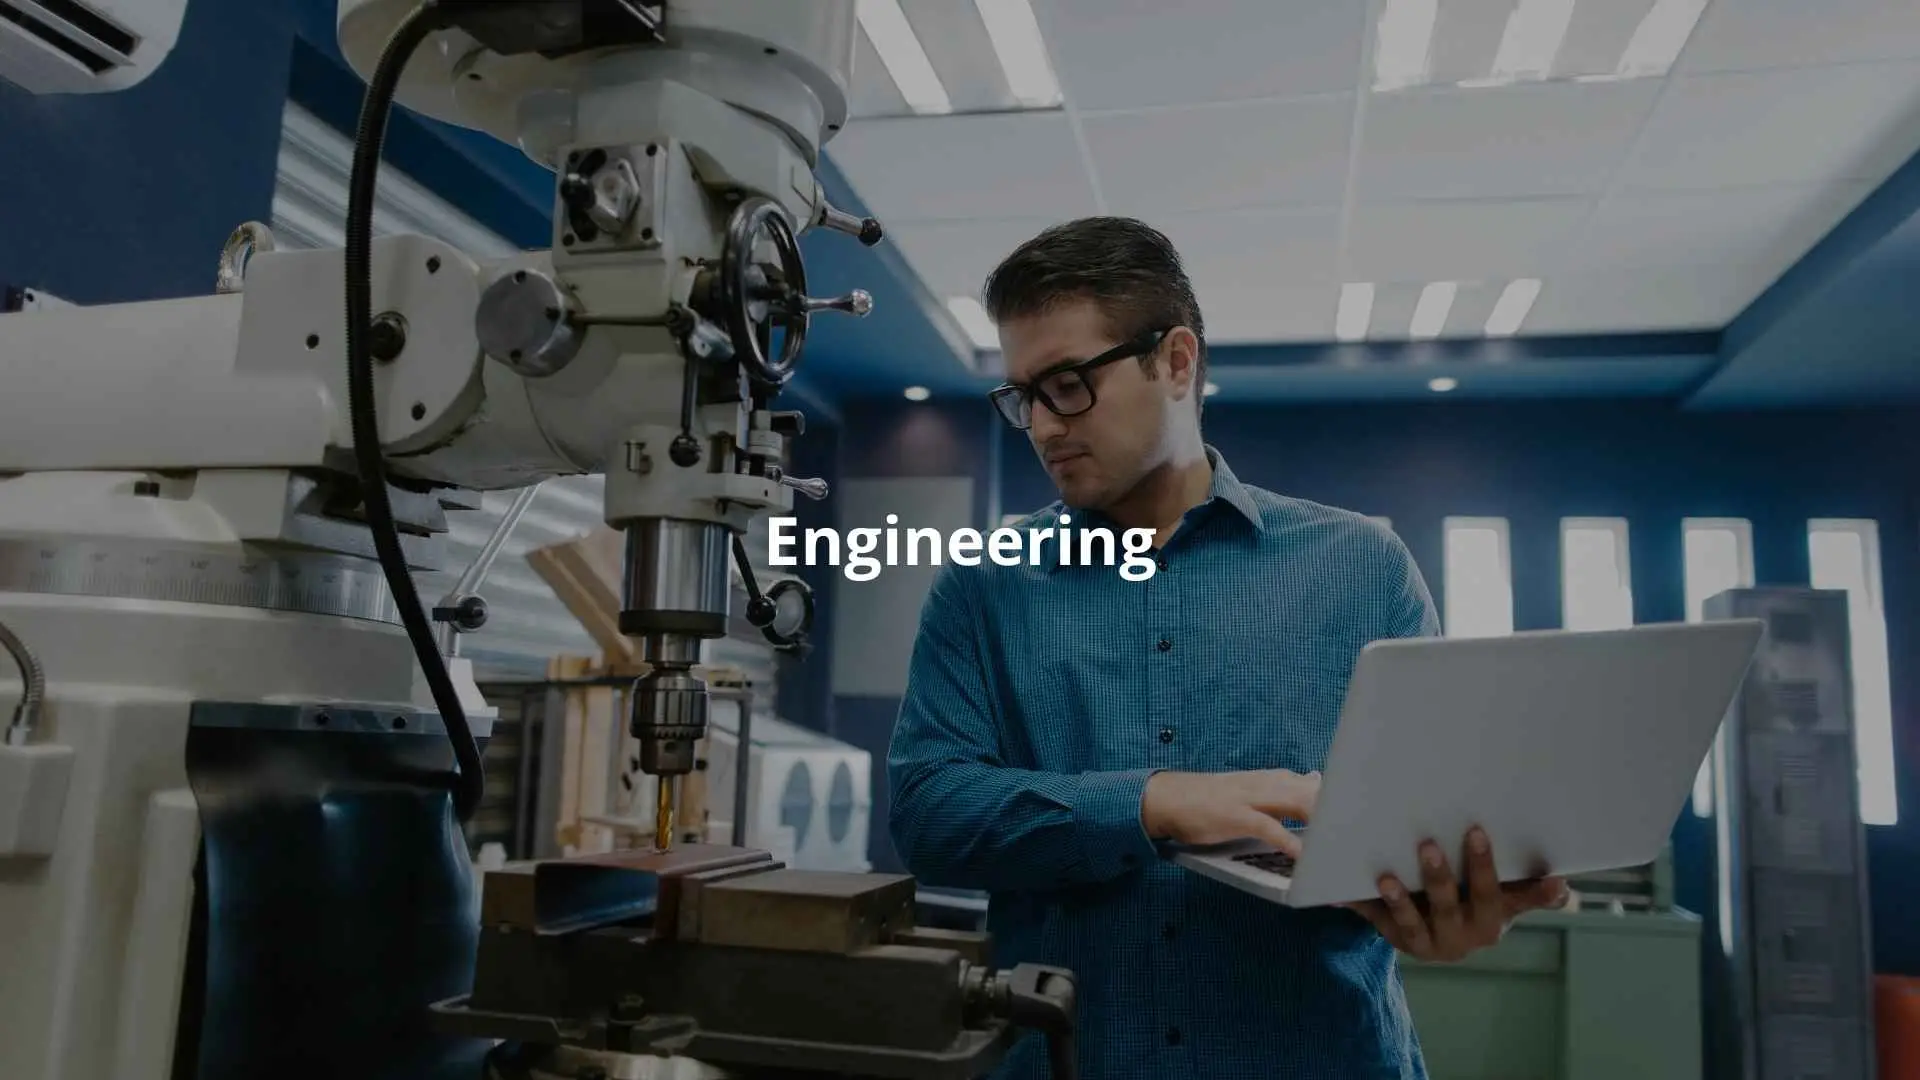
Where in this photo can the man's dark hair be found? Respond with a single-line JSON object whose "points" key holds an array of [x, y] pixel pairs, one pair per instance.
{"points": [[1127, 267]]}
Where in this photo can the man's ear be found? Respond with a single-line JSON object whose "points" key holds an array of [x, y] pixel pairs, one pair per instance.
{"points": [[1182, 351]]}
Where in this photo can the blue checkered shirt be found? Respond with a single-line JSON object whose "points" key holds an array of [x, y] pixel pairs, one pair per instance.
{"points": [[1039, 700]]}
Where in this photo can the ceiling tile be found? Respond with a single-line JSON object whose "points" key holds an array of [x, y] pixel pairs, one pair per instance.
{"points": [[1392, 314], [1466, 38], [1768, 226], [873, 92], [1253, 312], [1648, 300], [1532, 139], [1460, 240], [1472, 303], [1394, 305], [1755, 34], [1782, 127], [1223, 157], [1257, 247], [1597, 37], [953, 258], [1125, 54], [961, 52], [944, 168]]}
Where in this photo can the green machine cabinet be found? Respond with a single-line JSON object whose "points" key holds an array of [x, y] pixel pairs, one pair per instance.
{"points": [[1567, 995]]}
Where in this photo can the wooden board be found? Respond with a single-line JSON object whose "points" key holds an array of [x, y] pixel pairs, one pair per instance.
{"points": [[585, 574]]}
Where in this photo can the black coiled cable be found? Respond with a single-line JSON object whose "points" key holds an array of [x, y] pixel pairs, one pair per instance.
{"points": [[469, 784]]}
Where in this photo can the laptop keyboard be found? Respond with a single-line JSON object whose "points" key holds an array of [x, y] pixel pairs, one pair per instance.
{"points": [[1273, 862]]}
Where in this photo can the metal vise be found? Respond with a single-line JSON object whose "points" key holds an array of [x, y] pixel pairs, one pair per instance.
{"points": [[726, 957]]}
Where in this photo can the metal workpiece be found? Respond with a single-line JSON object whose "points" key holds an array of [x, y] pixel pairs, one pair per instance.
{"points": [[806, 910], [555, 896]]}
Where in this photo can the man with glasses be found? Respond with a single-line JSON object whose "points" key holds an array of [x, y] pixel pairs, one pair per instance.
{"points": [[1062, 724]]}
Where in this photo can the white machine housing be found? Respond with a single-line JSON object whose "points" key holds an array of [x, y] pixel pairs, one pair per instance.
{"points": [[86, 46], [176, 441]]}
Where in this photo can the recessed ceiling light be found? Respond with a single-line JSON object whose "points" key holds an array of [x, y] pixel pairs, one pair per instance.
{"points": [[973, 319], [1532, 39], [917, 393], [1403, 41], [1657, 42], [900, 52], [1356, 310], [1443, 384], [1511, 309], [1211, 389], [1430, 314], [1022, 51]]}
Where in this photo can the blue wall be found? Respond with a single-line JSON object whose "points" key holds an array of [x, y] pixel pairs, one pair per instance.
{"points": [[130, 196], [888, 440]]}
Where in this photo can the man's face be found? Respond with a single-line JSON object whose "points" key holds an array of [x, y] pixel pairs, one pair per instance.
{"points": [[1099, 455]]}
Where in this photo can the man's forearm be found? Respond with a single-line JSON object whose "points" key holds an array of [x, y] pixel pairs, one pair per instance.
{"points": [[975, 826]]}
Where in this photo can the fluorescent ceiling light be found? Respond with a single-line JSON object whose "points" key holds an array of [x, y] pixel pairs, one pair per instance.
{"points": [[973, 319], [1211, 389], [1532, 39], [1443, 385], [1511, 309], [1402, 43], [917, 393], [1430, 314], [1356, 311], [1022, 51], [893, 38], [1657, 42]]}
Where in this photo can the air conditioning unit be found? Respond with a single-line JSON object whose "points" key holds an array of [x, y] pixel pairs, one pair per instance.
{"points": [[85, 46], [809, 797]]}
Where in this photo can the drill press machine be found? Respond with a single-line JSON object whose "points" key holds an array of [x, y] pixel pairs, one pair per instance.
{"points": [[231, 834]]}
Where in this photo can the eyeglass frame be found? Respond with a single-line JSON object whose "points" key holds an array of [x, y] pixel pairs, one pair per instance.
{"points": [[1143, 344]]}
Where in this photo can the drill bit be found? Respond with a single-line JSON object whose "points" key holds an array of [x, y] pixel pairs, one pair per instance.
{"points": [[663, 816]]}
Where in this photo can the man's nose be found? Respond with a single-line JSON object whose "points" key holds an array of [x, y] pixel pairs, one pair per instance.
{"points": [[1046, 423]]}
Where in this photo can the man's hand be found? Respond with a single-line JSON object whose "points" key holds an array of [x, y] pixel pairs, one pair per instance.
{"points": [[1444, 925], [1215, 808]]}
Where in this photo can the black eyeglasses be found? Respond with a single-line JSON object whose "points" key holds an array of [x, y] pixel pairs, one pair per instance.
{"points": [[1066, 390]]}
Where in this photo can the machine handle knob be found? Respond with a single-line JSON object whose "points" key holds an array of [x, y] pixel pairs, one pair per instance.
{"points": [[858, 302], [812, 488], [866, 230]]}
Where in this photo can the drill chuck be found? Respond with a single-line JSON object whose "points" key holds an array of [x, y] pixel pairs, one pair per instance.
{"points": [[669, 719]]}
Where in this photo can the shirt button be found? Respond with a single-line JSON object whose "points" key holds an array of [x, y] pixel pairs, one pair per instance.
{"points": [[1162, 564], [1166, 734], [1165, 644], [1169, 931], [1173, 1036]]}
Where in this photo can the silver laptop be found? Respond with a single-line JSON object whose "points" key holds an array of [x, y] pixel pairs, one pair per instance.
{"points": [[1576, 751]]}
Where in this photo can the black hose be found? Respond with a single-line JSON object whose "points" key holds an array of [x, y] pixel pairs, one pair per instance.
{"points": [[469, 784]]}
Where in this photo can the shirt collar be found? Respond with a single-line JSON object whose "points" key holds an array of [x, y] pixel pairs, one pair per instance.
{"points": [[1226, 488]]}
